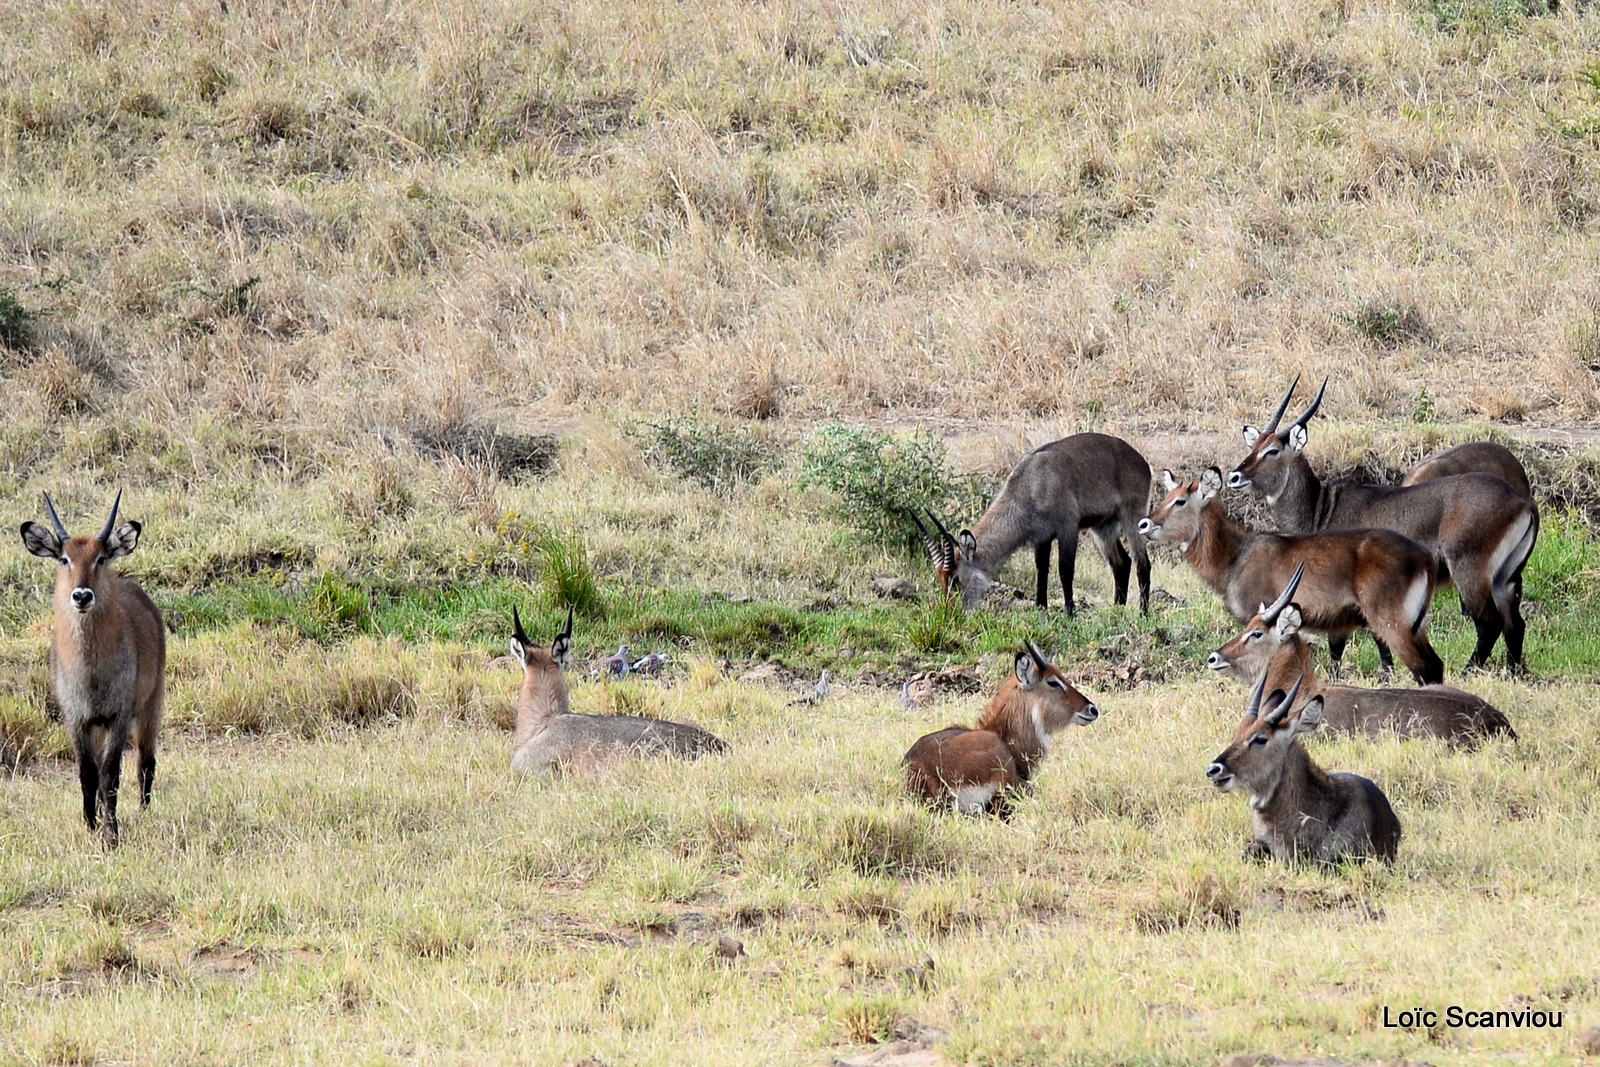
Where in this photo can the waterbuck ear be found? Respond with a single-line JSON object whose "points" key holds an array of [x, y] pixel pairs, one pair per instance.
{"points": [[124, 539], [1251, 436], [518, 652], [1310, 716], [1027, 670], [1297, 438], [1210, 483], [1289, 621], [561, 650], [40, 541], [969, 545], [1168, 482]]}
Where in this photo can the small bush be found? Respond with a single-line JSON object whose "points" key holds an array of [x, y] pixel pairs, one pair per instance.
{"points": [[881, 478], [938, 625], [1389, 325], [718, 458], [1196, 899], [868, 1020], [333, 606], [16, 321], [565, 573], [26, 734]]}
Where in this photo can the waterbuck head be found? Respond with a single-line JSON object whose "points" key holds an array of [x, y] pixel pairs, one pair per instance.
{"points": [[1176, 520], [1248, 654], [1266, 468], [942, 550], [955, 563], [85, 561], [533, 657], [1053, 702], [1258, 757]]}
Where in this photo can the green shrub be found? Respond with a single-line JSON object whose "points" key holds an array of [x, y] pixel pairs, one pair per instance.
{"points": [[717, 457], [1389, 325], [881, 478], [938, 625], [16, 321], [565, 573]]}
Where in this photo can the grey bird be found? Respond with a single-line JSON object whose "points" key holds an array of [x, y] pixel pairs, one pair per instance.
{"points": [[819, 693], [906, 699], [617, 665], [651, 663]]}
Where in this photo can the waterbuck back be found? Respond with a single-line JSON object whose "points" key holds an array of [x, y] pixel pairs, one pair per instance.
{"points": [[1352, 578], [107, 661], [975, 770], [1473, 457], [549, 736], [1089, 481], [1299, 811]]}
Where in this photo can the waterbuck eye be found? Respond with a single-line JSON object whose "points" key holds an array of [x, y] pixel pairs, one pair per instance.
{"points": [[1180, 502], [65, 562], [1253, 635], [1055, 683], [1259, 739]]}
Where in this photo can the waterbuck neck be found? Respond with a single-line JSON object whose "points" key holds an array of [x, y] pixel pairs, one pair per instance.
{"points": [[1300, 790], [1292, 660], [544, 695], [1298, 506], [999, 532], [1014, 714], [1216, 547]]}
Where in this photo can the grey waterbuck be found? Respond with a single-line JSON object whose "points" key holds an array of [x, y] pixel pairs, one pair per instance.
{"points": [[1479, 529], [1353, 578], [975, 770], [1089, 481], [1473, 457], [550, 737], [1299, 811], [108, 661], [1271, 646]]}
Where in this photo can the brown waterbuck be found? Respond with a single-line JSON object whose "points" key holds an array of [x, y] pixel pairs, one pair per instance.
{"points": [[550, 736], [1473, 457], [1353, 578], [1089, 481], [1299, 811], [975, 770], [1271, 646], [108, 662], [1479, 529]]}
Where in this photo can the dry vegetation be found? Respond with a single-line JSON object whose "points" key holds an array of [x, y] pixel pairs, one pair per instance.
{"points": [[322, 284]]}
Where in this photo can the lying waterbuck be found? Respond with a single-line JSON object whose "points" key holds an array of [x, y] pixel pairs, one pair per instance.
{"points": [[1474, 457], [1479, 529], [1270, 646], [1089, 481], [1353, 578], [108, 662], [1299, 811], [549, 736], [974, 770]]}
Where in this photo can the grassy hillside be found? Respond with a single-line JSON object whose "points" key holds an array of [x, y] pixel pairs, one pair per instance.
{"points": [[391, 315]]}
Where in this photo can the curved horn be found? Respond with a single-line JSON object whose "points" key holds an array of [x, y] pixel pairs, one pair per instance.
{"points": [[1315, 404], [1272, 427], [567, 633], [1276, 715], [517, 631], [1253, 708], [1269, 614], [1038, 656], [111, 521], [936, 550], [55, 520], [949, 540]]}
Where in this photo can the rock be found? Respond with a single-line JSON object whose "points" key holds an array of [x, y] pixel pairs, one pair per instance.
{"points": [[1589, 1041], [1159, 595], [894, 588], [729, 948], [912, 1047], [739, 598], [917, 975]]}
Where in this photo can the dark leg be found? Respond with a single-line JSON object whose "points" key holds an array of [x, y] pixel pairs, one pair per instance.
{"points": [[1336, 643], [1069, 566], [1041, 560], [1141, 563], [147, 776], [88, 780], [1117, 559], [1385, 656], [110, 782], [1511, 612], [1489, 629]]}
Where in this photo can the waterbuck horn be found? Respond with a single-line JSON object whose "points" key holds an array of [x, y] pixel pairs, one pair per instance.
{"points": [[936, 550], [949, 540], [111, 521], [1275, 716], [517, 631], [1253, 708], [567, 633], [1038, 656], [1272, 427], [1269, 612], [55, 520], [1315, 404]]}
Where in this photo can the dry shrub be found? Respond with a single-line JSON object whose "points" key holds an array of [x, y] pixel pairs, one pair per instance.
{"points": [[1198, 898], [891, 843], [62, 387], [373, 486], [964, 174]]}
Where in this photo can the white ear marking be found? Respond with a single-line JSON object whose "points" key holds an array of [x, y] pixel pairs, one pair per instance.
{"points": [[1297, 438], [1168, 482], [1251, 436]]}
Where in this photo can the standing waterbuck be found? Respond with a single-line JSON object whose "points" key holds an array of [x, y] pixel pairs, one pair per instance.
{"points": [[1473, 457], [1299, 811], [1353, 578], [1479, 529], [975, 770], [108, 661], [1271, 646], [1089, 481], [551, 737]]}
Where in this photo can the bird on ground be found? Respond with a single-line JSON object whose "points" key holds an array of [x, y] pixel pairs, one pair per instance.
{"points": [[651, 663], [617, 666], [906, 699], [819, 693]]}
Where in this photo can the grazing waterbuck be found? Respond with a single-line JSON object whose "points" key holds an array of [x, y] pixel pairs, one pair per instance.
{"points": [[1089, 481], [1353, 578], [974, 770], [1299, 811], [1473, 457], [1271, 646], [1479, 529], [108, 661], [549, 736]]}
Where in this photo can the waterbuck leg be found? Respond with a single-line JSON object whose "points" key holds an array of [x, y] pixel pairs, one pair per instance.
{"points": [[1117, 558], [1509, 601], [110, 783], [1041, 560], [1069, 565], [1489, 629], [1141, 561], [88, 780], [1336, 643], [1385, 656], [147, 775]]}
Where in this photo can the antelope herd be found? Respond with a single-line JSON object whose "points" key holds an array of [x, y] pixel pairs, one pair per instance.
{"points": [[1344, 557]]}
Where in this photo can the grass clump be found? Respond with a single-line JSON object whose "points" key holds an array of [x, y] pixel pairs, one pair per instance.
{"points": [[937, 625], [1388, 325], [881, 478], [716, 457], [565, 574], [16, 321]]}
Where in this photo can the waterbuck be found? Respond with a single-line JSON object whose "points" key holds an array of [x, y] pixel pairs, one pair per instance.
{"points": [[108, 661], [1353, 578], [1299, 811], [1271, 646], [1479, 529], [1089, 481], [550, 737], [975, 770], [1473, 457]]}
